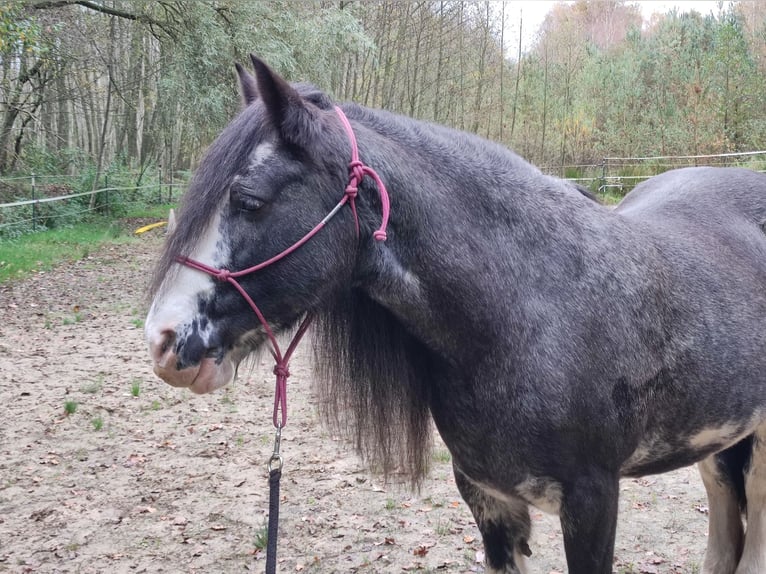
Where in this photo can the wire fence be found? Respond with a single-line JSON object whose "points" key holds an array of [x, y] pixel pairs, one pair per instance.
{"points": [[618, 175], [43, 202], [51, 200]]}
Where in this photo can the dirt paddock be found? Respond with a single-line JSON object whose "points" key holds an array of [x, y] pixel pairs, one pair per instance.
{"points": [[141, 477]]}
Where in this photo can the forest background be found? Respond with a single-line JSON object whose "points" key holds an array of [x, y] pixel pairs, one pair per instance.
{"points": [[98, 85]]}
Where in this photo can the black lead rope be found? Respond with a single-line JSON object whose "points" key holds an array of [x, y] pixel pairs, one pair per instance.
{"points": [[275, 473], [271, 546]]}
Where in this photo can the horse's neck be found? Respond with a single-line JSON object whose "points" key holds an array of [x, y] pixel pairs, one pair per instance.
{"points": [[470, 238]]}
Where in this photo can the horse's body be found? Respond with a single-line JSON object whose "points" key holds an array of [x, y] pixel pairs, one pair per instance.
{"points": [[557, 344]]}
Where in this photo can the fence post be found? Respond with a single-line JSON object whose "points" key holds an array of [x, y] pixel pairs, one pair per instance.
{"points": [[159, 183], [170, 187], [106, 194], [602, 183], [34, 205]]}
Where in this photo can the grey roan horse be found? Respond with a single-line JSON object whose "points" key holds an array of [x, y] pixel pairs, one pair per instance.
{"points": [[558, 345]]}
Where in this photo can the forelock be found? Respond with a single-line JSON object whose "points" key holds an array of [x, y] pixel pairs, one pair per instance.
{"points": [[228, 155]]}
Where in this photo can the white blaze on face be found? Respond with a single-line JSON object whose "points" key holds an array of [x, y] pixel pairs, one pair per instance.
{"points": [[260, 154], [175, 312], [176, 303]]}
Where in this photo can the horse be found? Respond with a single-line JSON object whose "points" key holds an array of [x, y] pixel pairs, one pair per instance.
{"points": [[557, 345]]}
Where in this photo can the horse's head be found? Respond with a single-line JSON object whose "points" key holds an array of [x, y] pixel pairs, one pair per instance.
{"points": [[273, 174]]}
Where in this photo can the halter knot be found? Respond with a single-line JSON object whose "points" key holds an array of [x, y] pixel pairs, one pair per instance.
{"points": [[281, 370], [352, 191], [356, 169], [223, 275], [379, 235]]}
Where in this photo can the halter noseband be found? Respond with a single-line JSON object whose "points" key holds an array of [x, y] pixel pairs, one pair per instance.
{"points": [[357, 172]]}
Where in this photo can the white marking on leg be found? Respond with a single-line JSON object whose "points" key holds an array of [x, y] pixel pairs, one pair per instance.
{"points": [[500, 512], [542, 493], [490, 505], [753, 559], [725, 535]]}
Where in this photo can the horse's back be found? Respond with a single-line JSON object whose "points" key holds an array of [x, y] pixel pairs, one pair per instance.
{"points": [[698, 193], [713, 214]]}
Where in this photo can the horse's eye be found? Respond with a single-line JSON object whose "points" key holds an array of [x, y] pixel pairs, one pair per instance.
{"points": [[249, 203], [244, 201]]}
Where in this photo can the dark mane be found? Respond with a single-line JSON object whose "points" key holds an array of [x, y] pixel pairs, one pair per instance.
{"points": [[372, 384]]}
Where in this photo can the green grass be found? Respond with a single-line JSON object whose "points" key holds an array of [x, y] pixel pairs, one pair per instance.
{"points": [[70, 407], [76, 318], [442, 527], [98, 423], [261, 538], [40, 251], [135, 387], [94, 386], [441, 455], [158, 211]]}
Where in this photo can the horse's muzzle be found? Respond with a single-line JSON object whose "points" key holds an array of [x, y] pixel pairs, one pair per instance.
{"points": [[185, 363]]}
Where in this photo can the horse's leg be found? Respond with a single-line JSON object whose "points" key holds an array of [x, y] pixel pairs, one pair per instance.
{"points": [[589, 521], [753, 559], [725, 533], [504, 526]]}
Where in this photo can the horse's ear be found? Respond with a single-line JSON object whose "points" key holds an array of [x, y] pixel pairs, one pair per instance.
{"points": [[295, 118], [247, 85]]}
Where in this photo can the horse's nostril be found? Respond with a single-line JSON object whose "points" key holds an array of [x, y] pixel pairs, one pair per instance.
{"points": [[168, 338], [162, 346]]}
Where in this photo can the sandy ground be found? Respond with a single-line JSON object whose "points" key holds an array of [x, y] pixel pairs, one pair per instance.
{"points": [[142, 477]]}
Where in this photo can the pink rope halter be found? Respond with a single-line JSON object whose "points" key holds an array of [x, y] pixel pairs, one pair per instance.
{"points": [[357, 172]]}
